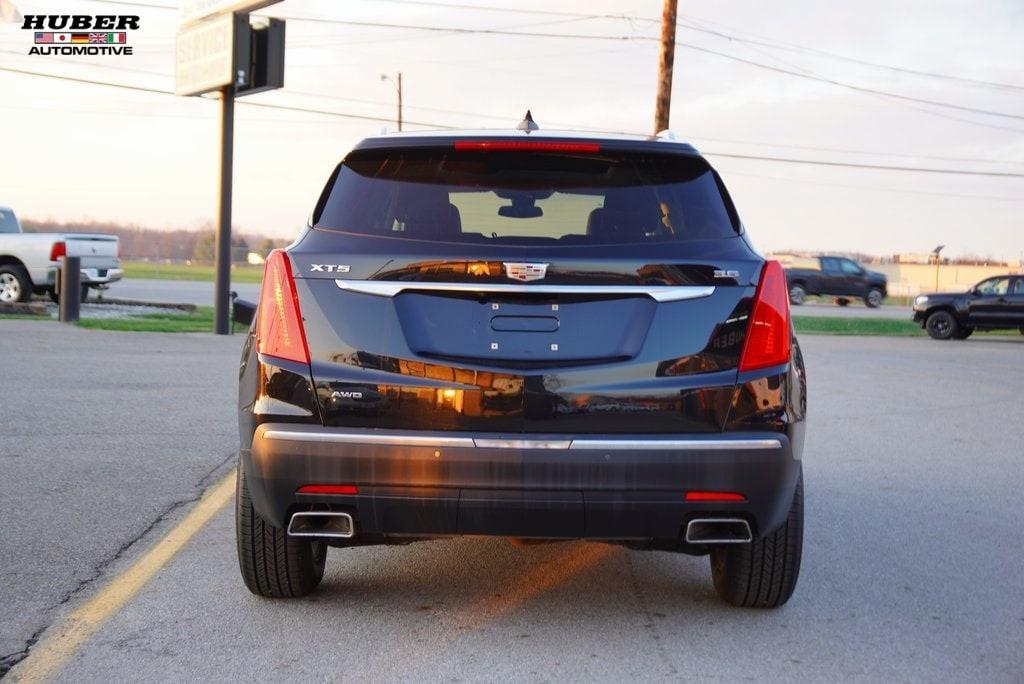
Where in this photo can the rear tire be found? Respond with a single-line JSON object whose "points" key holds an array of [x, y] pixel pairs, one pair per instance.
{"points": [[874, 298], [963, 333], [15, 285], [273, 564], [55, 298], [941, 325], [797, 295], [763, 573]]}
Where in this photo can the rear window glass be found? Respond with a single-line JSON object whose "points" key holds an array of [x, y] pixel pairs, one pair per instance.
{"points": [[8, 224], [526, 198]]}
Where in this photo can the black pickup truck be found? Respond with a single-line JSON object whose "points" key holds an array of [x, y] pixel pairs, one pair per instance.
{"points": [[835, 276]]}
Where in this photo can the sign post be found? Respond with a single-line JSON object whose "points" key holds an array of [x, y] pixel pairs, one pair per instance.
{"points": [[218, 51], [222, 283]]}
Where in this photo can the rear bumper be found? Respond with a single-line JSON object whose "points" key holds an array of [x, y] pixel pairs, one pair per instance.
{"points": [[101, 276], [620, 487], [89, 276]]}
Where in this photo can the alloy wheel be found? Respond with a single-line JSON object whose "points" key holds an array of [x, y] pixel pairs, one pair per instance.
{"points": [[10, 288], [940, 326]]}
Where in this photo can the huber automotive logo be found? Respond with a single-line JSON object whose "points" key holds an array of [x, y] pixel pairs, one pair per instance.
{"points": [[80, 34]]}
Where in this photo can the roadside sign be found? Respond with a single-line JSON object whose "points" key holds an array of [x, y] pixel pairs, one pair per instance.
{"points": [[194, 10], [206, 55], [218, 49]]}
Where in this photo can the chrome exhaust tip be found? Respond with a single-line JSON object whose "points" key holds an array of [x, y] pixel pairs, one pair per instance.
{"points": [[323, 524], [718, 531]]}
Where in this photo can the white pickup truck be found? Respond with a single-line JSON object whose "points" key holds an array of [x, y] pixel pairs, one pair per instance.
{"points": [[29, 261]]}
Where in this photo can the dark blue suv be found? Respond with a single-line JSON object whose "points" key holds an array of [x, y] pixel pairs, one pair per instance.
{"points": [[525, 334]]}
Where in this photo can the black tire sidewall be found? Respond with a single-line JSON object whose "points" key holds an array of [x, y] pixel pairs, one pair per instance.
{"points": [[801, 296], [933, 325], [867, 299]]}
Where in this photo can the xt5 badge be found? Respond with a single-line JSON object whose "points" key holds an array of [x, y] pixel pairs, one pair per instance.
{"points": [[329, 268]]}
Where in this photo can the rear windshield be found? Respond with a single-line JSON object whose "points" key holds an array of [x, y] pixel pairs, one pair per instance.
{"points": [[8, 224], [527, 198]]}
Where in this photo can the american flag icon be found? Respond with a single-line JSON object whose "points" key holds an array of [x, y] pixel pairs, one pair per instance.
{"points": [[42, 38]]}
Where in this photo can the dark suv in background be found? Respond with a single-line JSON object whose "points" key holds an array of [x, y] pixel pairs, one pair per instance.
{"points": [[835, 276], [529, 335]]}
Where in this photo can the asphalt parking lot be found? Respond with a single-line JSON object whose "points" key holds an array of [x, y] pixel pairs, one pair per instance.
{"points": [[912, 565]]}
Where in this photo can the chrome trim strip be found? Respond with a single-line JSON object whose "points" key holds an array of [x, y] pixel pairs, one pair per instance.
{"points": [[501, 443], [659, 293], [367, 438], [677, 444], [522, 443]]}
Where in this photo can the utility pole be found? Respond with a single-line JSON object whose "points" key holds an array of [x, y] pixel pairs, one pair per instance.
{"points": [[398, 87], [222, 286], [668, 53]]}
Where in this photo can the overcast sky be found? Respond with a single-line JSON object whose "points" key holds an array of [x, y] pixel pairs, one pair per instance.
{"points": [[71, 151]]}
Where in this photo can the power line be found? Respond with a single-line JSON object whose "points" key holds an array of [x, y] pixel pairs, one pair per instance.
{"points": [[876, 167], [724, 55], [518, 10], [801, 181], [583, 36], [851, 86], [769, 43], [784, 160], [249, 103], [869, 153], [764, 42], [791, 47]]}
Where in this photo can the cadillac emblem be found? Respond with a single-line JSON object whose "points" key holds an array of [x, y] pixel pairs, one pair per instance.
{"points": [[525, 272]]}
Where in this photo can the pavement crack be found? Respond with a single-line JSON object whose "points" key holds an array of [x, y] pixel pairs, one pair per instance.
{"points": [[10, 660]]}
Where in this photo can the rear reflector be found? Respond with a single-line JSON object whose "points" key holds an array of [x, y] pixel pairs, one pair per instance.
{"points": [[714, 496], [524, 146], [279, 329], [59, 249], [328, 489], [768, 334]]}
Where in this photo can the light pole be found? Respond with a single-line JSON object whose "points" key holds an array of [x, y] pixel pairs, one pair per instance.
{"points": [[398, 87], [936, 252]]}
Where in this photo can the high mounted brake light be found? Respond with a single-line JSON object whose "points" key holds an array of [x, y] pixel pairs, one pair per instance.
{"points": [[768, 334], [279, 329], [59, 249], [524, 146]]}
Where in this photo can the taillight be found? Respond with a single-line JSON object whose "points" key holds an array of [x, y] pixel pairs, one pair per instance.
{"points": [[59, 249], [524, 146], [768, 335], [328, 489], [714, 496], [279, 329]]}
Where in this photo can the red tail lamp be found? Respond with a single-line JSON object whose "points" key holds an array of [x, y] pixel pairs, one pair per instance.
{"points": [[701, 496], [328, 489]]}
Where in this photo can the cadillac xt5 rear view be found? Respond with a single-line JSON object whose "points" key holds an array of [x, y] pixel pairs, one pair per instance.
{"points": [[529, 335]]}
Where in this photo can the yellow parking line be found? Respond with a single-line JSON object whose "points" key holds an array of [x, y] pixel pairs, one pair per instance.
{"points": [[60, 642]]}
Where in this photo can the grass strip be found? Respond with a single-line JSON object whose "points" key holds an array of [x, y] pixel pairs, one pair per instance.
{"points": [[201, 320], [197, 272], [836, 325]]}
